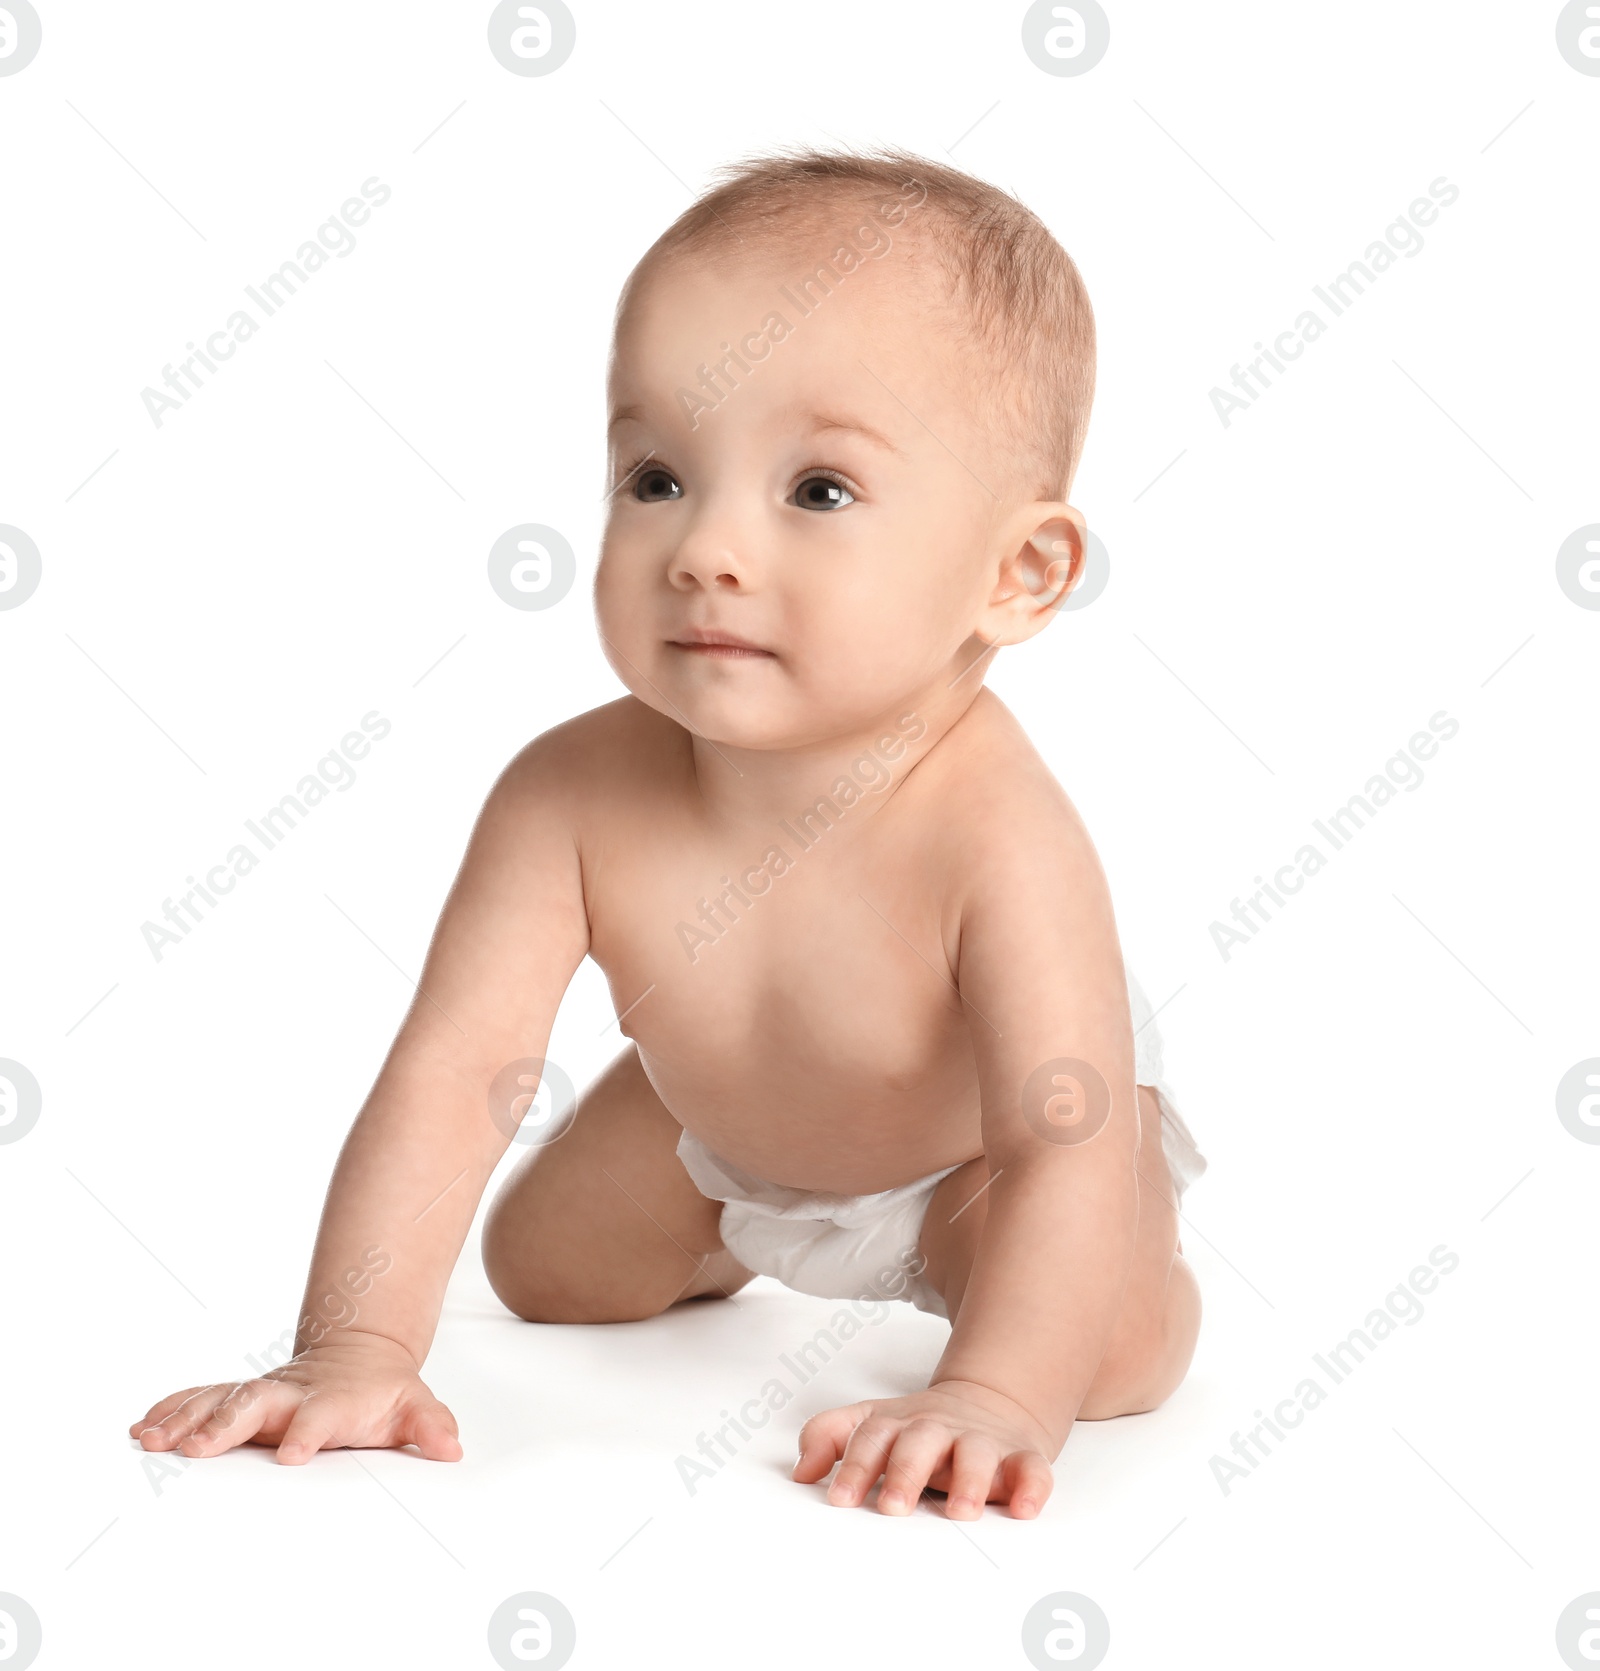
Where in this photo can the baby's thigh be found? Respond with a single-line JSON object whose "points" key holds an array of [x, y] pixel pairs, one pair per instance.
{"points": [[604, 1225]]}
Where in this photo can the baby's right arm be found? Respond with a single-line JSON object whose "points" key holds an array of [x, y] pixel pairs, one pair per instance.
{"points": [[408, 1180]]}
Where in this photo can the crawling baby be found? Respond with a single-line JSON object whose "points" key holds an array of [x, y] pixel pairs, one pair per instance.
{"points": [[881, 1040]]}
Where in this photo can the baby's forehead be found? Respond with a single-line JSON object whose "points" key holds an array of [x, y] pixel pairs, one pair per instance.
{"points": [[783, 297], [732, 365], [798, 264]]}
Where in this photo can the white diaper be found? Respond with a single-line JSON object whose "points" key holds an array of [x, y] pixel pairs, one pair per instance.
{"points": [[845, 1247]]}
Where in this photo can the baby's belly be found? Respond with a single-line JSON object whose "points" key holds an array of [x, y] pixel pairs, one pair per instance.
{"points": [[853, 1133]]}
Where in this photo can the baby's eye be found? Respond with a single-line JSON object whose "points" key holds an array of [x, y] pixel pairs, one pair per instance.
{"points": [[822, 493], [653, 484]]}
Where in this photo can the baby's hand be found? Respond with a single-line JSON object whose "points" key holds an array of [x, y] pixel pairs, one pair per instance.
{"points": [[356, 1389], [957, 1437]]}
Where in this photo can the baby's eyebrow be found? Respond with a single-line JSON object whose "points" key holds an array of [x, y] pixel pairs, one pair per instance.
{"points": [[820, 422], [817, 422]]}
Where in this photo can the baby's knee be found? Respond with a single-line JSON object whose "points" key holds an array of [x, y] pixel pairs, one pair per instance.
{"points": [[1149, 1354], [554, 1303], [543, 1277], [530, 1276], [545, 1290]]}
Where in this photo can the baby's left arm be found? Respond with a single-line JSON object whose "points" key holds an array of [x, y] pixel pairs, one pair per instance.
{"points": [[1040, 974]]}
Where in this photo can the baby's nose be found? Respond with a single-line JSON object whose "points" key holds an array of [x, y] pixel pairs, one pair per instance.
{"points": [[708, 559]]}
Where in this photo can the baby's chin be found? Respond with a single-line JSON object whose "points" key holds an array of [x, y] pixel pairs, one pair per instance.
{"points": [[730, 718], [760, 711]]}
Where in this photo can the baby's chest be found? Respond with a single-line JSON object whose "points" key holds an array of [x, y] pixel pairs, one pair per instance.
{"points": [[794, 955]]}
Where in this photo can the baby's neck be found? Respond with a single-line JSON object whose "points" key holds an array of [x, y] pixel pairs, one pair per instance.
{"points": [[745, 787]]}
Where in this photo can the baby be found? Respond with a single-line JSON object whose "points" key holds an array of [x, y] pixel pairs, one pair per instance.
{"points": [[882, 1043]]}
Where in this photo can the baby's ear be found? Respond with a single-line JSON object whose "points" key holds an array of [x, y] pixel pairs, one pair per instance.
{"points": [[1042, 559]]}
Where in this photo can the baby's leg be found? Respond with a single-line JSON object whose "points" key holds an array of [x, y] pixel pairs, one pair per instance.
{"points": [[604, 1225], [1156, 1330]]}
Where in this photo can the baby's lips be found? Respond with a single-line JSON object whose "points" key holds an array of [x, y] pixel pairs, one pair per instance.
{"points": [[707, 637]]}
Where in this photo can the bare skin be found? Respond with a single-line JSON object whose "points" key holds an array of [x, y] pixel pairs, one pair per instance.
{"points": [[870, 1009]]}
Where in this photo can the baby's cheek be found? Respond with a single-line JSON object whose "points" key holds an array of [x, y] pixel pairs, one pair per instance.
{"points": [[847, 676], [620, 603]]}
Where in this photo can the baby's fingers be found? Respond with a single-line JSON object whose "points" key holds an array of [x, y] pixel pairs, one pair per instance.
{"points": [[319, 1423], [1026, 1480], [973, 1472], [823, 1440], [429, 1426], [247, 1408], [175, 1418], [864, 1457], [917, 1453]]}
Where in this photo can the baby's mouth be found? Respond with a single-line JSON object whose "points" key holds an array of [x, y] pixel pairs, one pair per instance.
{"points": [[721, 645]]}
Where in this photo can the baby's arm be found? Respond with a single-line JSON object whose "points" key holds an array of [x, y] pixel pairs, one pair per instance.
{"points": [[1060, 1136], [419, 1155], [1041, 974]]}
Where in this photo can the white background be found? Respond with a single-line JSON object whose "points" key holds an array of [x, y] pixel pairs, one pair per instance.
{"points": [[225, 596]]}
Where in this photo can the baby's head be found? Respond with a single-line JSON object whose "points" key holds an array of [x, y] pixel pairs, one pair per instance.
{"points": [[848, 396]]}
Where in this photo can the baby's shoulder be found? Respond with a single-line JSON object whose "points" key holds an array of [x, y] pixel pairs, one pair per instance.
{"points": [[1000, 803], [616, 751]]}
